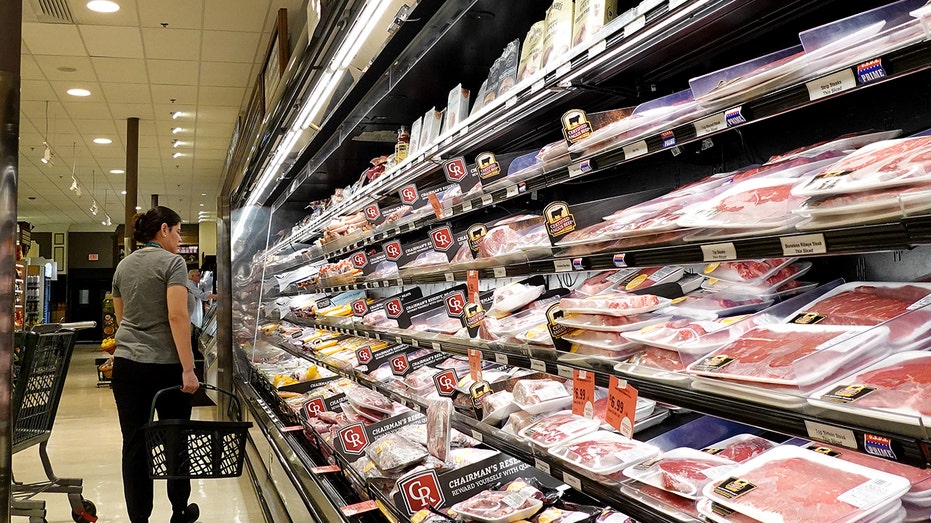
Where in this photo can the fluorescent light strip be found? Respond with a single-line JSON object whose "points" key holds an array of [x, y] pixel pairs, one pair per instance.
{"points": [[372, 19], [323, 92]]}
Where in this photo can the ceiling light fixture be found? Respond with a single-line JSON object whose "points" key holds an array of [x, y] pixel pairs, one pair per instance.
{"points": [[103, 141], [117, 171], [175, 115], [123, 193], [94, 208], [201, 205], [47, 155], [109, 221], [78, 92], [176, 130], [103, 6], [138, 208], [74, 184], [176, 155], [203, 194], [175, 143]]}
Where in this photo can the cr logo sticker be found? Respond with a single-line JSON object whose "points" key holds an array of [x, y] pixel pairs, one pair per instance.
{"points": [[409, 194], [455, 169], [364, 355], [442, 238], [359, 260], [393, 250], [399, 365], [353, 438], [421, 491], [359, 307], [393, 308], [314, 407], [372, 212], [455, 304], [446, 382]]}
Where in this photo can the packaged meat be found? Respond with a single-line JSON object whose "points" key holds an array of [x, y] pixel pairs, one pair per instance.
{"points": [[420, 381], [498, 506], [354, 413], [710, 305], [370, 399], [590, 17], [497, 406], [918, 477], [505, 240], [537, 396], [511, 326], [897, 389], [740, 448], [658, 358], [600, 322], [394, 453], [463, 457], [513, 296], [753, 203], [558, 429], [872, 303], [439, 419], [790, 354], [613, 304], [720, 514], [905, 200], [690, 335], [847, 142], [531, 51], [539, 335], [427, 259], [767, 286], [521, 420], [612, 516], [612, 342], [747, 272], [879, 165], [908, 205], [598, 283], [792, 485], [683, 471], [603, 452]]}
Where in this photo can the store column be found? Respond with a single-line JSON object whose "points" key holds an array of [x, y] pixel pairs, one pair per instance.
{"points": [[11, 19], [132, 181]]}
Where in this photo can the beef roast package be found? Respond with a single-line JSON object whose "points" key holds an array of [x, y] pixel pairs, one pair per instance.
{"points": [[531, 52], [590, 17], [558, 36]]}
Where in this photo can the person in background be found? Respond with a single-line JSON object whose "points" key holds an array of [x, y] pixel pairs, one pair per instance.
{"points": [[153, 352], [196, 296]]}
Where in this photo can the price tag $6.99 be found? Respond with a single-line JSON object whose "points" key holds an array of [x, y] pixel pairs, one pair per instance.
{"points": [[622, 406], [583, 393]]}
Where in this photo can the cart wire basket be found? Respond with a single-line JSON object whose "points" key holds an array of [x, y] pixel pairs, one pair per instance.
{"points": [[193, 449]]}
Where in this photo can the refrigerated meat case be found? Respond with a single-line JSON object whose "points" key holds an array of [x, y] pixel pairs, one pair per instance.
{"points": [[652, 50]]}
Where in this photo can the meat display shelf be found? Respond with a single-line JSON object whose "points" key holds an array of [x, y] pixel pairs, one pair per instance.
{"points": [[896, 64], [508, 444], [910, 450]]}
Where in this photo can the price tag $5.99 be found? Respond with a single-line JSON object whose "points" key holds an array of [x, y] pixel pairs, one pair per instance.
{"points": [[622, 406], [583, 393]]}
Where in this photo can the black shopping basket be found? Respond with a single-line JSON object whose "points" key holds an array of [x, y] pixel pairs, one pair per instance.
{"points": [[192, 449]]}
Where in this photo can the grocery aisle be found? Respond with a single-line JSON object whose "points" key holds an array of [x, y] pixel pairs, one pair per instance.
{"points": [[85, 443]]}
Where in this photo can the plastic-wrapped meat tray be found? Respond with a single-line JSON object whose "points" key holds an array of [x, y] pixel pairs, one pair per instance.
{"points": [[370, 399], [613, 304], [796, 355], [603, 452], [499, 506], [536, 396], [512, 297], [753, 203], [747, 272], [740, 448], [767, 286], [904, 199], [682, 471], [604, 323], [691, 336], [789, 484], [919, 478], [392, 452], [710, 305], [558, 428]]}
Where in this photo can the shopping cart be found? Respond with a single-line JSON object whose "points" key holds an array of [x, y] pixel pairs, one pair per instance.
{"points": [[40, 363], [194, 449]]}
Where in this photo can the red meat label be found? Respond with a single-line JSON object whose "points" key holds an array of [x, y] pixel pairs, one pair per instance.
{"points": [[359, 260], [421, 491], [399, 365], [446, 382], [372, 212], [393, 250], [409, 194], [359, 308], [353, 438], [455, 169], [314, 407], [393, 308], [442, 239], [364, 355], [455, 304]]}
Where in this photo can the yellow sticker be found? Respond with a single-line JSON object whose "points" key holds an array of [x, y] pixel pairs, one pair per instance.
{"points": [[711, 267], [636, 282]]}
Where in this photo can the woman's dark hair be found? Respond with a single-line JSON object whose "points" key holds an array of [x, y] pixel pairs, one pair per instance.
{"points": [[146, 225]]}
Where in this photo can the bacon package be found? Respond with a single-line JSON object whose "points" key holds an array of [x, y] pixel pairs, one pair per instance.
{"points": [[792, 485], [558, 428], [613, 304], [603, 452], [682, 471]]}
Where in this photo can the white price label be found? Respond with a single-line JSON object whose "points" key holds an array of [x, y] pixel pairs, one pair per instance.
{"points": [[572, 481], [397, 339], [538, 365], [464, 131], [538, 85], [436, 346], [447, 212], [711, 124], [449, 276], [447, 141], [487, 199], [501, 359], [500, 272], [831, 84], [542, 466], [511, 191], [638, 24], [378, 336], [414, 342], [511, 102], [467, 206], [562, 265], [477, 435], [832, 435], [597, 49], [563, 371], [804, 245], [719, 252], [635, 149], [579, 168], [564, 69]]}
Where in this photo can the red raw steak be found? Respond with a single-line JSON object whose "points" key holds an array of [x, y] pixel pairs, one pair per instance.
{"points": [[686, 475], [904, 385], [869, 305]]}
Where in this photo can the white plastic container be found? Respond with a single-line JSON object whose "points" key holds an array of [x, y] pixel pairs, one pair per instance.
{"points": [[538, 396], [558, 429], [603, 452]]}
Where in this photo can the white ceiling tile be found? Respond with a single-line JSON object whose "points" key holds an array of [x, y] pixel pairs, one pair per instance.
{"points": [[119, 42], [181, 94], [212, 143], [227, 96], [224, 74], [121, 70], [235, 15], [98, 128], [124, 111], [29, 69], [87, 110], [214, 114], [229, 46], [126, 16], [179, 14], [149, 153], [171, 44], [31, 90], [50, 67], [126, 93], [213, 130], [172, 72], [53, 39]]}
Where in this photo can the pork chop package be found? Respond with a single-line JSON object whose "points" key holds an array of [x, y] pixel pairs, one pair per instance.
{"points": [[691, 336], [709, 305], [768, 286], [740, 448], [558, 429], [748, 271], [613, 304], [515, 239], [439, 429], [605, 323], [497, 406], [919, 478], [392, 452], [544, 395], [611, 344], [499, 506], [513, 296], [683, 471], [603, 452], [792, 484], [369, 399]]}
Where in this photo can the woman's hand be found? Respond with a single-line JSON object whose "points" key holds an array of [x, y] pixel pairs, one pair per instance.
{"points": [[189, 382]]}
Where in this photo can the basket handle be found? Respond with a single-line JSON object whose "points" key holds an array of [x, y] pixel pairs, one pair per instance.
{"points": [[178, 387]]}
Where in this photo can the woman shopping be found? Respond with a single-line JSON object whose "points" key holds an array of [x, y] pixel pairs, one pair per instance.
{"points": [[153, 352]]}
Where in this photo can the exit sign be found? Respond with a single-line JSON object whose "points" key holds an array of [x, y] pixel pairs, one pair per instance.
{"points": [[93, 257]]}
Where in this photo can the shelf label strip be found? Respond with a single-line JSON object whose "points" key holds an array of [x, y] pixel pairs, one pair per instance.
{"points": [[832, 435], [711, 124], [831, 84], [719, 252], [805, 245], [635, 149]]}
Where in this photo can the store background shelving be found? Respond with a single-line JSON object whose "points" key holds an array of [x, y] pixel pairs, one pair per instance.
{"points": [[676, 39]]}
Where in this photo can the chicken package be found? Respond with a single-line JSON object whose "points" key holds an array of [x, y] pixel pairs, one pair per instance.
{"points": [[439, 430], [539, 335], [535, 396], [558, 428], [603, 452], [613, 304], [392, 452], [748, 272], [369, 399], [511, 326], [499, 506], [513, 296], [740, 448], [683, 471], [790, 484], [604, 323]]}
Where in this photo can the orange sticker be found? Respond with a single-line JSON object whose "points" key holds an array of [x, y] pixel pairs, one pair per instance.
{"points": [[472, 283], [583, 393], [437, 207], [475, 364], [622, 406]]}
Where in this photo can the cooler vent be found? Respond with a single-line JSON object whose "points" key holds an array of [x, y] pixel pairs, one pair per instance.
{"points": [[52, 11]]}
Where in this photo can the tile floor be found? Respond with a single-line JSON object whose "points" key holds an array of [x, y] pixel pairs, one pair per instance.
{"points": [[85, 443]]}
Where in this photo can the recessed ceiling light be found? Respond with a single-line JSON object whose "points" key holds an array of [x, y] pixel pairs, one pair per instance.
{"points": [[175, 115], [103, 6], [78, 92], [203, 194], [138, 208], [103, 141], [66, 69], [176, 130], [176, 155], [201, 205], [123, 193], [117, 171]]}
